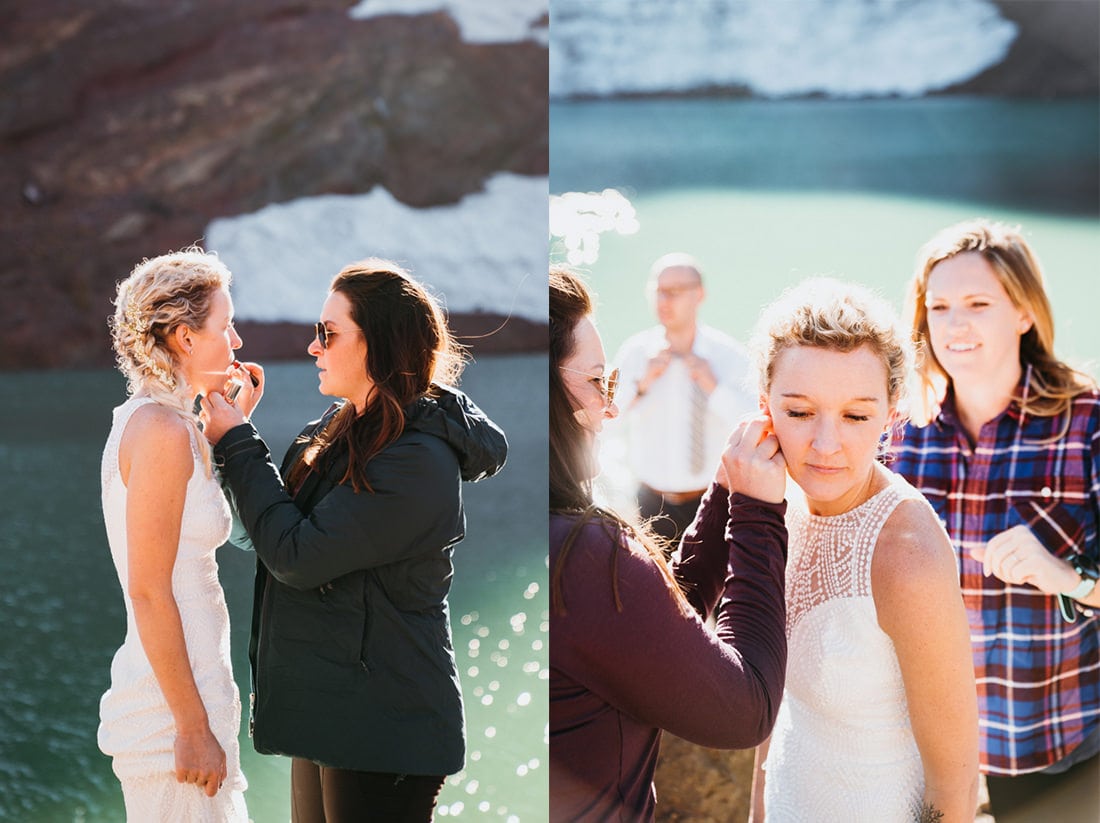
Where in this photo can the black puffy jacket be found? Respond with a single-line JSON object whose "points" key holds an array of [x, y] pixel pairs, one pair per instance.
{"points": [[351, 653]]}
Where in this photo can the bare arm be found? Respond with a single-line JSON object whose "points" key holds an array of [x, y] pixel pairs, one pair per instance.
{"points": [[156, 462], [756, 801], [916, 593]]}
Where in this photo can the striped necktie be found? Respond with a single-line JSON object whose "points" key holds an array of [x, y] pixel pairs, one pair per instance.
{"points": [[698, 438]]}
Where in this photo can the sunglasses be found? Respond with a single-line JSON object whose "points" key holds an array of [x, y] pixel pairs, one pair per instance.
{"points": [[606, 385], [324, 333]]}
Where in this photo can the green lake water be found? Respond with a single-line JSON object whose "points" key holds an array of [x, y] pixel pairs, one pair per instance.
{"points": [[766, 193], [63, 615]]}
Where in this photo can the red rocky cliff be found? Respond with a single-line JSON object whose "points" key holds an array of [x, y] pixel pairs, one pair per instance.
{"points": [[126, 128]]}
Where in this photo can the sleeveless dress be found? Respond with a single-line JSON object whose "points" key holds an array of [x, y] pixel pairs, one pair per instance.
{"points": [[843, 746], [136, 726]]}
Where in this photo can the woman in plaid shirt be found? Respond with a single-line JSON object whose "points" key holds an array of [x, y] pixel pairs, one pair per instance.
{"points": [[1005, 444]]}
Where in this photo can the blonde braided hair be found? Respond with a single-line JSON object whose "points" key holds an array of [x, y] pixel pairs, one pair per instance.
{"points": [[160, 295]]}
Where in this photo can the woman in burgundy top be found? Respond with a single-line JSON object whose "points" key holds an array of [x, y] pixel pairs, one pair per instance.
{"points": [[630, 654]]}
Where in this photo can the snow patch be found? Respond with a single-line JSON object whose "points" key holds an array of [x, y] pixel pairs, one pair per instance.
{"points": [[486, 253], [481, 21]]}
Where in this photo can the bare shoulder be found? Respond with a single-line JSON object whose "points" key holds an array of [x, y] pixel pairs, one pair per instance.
{"points": [[159, 427], [156, 436], [913, 553]]}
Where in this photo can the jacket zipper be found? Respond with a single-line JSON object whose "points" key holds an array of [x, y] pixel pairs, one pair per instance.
{"points": [[366, 631]]}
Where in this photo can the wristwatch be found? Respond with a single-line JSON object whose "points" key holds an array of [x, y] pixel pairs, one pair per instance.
{"points": [[1090, 573], [1087, 568]]}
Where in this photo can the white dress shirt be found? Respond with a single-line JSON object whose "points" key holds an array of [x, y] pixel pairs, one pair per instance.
{"points": [[656, 431]]}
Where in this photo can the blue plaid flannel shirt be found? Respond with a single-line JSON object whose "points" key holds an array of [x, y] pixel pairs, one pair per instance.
{"points": [[1038, 677]]}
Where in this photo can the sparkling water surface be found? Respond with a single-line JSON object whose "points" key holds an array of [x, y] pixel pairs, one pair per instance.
{"points": [[63, 615]]}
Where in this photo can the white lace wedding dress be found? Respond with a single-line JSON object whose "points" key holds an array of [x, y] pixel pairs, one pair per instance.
{"points": [[842, 748], [136, 727]]}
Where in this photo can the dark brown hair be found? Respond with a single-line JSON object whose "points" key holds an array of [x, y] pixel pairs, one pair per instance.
{"points": [[570, 485], [570, 481], [408, 347]]}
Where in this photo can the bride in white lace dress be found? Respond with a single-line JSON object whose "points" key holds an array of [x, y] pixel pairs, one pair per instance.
{"points": [[879, 715], [172, 714]]}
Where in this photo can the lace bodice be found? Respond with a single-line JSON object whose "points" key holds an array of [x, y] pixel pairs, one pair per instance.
{"points": [[136, 725], [842, 747]]}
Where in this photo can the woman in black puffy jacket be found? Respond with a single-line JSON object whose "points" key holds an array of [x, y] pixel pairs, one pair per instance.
{"points": [[353, 666]]}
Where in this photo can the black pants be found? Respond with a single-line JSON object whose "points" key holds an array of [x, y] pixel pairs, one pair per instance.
{"points": [[319, 794], [671, 520], [1072, 796]]}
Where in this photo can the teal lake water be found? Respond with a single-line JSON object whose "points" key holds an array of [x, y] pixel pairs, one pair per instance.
{"points": [[63, 616], [766, 193]]}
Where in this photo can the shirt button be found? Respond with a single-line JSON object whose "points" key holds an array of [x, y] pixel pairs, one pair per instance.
{"points": [[1045, 492]]}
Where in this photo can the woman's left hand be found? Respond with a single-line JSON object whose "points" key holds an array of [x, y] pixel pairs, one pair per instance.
{"points": [[1016, 556], [218, 417]]}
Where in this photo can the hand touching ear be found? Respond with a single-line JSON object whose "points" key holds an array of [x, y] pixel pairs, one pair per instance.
{"points": [[752, 463]]}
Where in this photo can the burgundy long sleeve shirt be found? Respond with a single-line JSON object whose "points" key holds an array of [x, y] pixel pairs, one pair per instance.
{"points": [[618, 677]]}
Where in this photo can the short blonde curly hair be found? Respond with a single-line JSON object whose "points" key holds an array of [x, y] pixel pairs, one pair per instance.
{"points": [[829, 314]]}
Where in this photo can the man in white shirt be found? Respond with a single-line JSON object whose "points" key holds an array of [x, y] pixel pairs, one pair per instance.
{"points": [[682, 387]]}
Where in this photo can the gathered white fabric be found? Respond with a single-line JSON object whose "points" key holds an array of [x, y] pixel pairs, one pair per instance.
{"points": [[153, 798], [136, 726], [843, 746]]}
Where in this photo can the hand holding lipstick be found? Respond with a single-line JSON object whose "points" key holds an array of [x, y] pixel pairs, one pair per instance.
{"points": [[244, 386], [221, 412]]}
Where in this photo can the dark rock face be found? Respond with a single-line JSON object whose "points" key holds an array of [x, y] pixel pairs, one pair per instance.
{"points": [[126, 128], [1056, 52]]}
